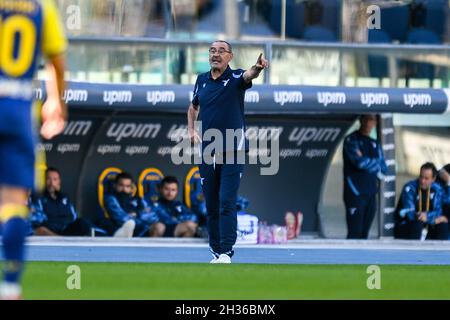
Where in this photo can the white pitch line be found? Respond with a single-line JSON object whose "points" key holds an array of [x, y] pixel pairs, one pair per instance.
{"points": [[270, 247]]}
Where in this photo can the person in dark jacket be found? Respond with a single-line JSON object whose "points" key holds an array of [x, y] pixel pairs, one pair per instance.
{"points": [[62, 219], [128, 212], [364, 165], [419, 210], [444, 181], [175, 219]]}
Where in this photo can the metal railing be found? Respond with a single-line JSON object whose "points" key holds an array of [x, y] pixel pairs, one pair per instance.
{"points": [[164, 61]]}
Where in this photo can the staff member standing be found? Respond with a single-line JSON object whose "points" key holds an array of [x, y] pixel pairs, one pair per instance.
{"points": [[220, 93], [363, 165]]}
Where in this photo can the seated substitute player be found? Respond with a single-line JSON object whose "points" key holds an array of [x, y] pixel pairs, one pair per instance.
{"points": [[420, 207], [175, 220], [444, 181], [130, 213], [27, 29], [61, 217]]}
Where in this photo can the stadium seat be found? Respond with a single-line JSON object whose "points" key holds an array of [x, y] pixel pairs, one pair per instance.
{"points": [[421, 70], [253, 24], [395, 21], [435, 15], [193, 194], [322, 20], [105, 185], [421, 34], [319, 33], [148, 184], [378, 64], [294, 18], [332, 16]]}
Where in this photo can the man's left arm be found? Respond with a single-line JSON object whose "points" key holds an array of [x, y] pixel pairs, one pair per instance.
{"points": [[146, 213], [37, 214], [256, 69], [383, 166], [445, 177], [73, 212], [446, 195], [437, 208], [187, 215]]}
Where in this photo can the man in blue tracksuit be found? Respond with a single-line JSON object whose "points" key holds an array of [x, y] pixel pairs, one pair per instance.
{"points": [[122, 208], [363, 165], [174, 218], [444, 181], [62, 219], [419, 210], [219, 99]]}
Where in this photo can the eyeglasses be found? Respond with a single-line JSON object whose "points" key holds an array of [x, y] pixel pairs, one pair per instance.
{"points": [[221, 51]]}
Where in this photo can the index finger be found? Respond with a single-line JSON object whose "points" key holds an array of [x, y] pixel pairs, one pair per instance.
{"points": [[260, 56]]}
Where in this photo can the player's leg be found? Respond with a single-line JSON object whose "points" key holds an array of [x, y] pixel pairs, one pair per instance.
{"points": [[354, 217], [17, 161], [415, 229], [229, 188], [369, 214], [157, 229], [401, 230], [79, 227], [185, 229], [210, 187], [438, 232], [13, 212]]}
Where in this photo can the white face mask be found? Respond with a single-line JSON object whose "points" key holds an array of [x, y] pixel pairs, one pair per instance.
{"points": [[373, 133]]}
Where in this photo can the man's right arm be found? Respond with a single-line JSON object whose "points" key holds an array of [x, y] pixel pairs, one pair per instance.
{"points": [[115, 211], [437, 207], [353, 152], [192, 116], [409, 204]]}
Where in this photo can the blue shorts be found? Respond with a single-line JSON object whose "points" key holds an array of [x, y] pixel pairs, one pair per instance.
{"points": [[17, 157], [170, 230]]}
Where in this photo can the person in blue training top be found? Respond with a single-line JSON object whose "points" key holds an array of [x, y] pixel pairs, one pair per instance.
{"points": [[444, 181], [219, 101], [129, 213], [419, 210], [364, 165], [175, 219], [62, 219]]}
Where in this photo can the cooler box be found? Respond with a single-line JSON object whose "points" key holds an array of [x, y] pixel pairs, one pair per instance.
{"points": [[247, 230]]}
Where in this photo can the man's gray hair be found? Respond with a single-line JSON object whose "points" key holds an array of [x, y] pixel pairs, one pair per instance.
{"points": [[229, 45]]}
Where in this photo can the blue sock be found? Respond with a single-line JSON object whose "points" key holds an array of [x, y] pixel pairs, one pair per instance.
{"points": [[14, 232]]}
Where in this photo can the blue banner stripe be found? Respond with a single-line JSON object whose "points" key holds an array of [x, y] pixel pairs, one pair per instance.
{"points": [[261, 99]]}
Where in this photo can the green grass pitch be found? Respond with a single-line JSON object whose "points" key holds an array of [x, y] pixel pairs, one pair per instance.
{"points": [[47, 280]]}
